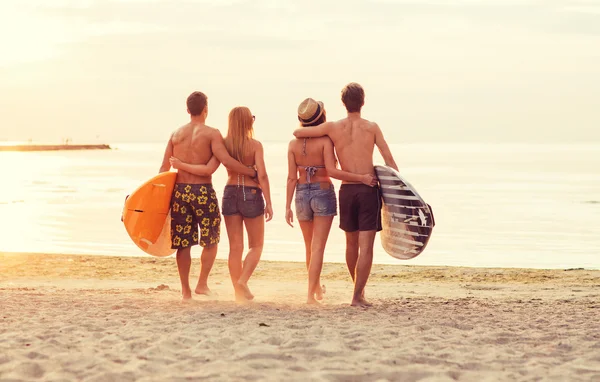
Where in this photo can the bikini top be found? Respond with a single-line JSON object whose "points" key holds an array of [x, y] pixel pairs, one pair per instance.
{"points": [[310, 170]]}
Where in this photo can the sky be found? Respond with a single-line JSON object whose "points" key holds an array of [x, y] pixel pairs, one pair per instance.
{"points": [[456, 70]]}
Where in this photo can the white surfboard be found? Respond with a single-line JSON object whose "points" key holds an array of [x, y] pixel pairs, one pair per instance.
{"points": [[406, 219]]}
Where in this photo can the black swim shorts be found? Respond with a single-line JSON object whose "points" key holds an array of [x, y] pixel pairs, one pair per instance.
{"points": [[360, 208]]}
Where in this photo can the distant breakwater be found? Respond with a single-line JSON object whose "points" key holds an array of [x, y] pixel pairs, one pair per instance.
{"points": [[53, 147]]}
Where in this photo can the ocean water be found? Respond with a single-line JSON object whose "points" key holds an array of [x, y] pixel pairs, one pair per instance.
{"points": [[496, 205]]}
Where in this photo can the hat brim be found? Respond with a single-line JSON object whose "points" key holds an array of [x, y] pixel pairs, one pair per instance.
{"points": [[314, 117]]}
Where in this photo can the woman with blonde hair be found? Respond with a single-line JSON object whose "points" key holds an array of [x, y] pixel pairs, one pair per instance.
{"points": [[311, 163], [245, 200]]}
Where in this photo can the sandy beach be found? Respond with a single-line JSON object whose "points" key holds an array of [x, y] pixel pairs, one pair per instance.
{"points": [[96, 318]]}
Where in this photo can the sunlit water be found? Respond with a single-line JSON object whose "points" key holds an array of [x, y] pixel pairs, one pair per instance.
{"points": [[507, 205]]}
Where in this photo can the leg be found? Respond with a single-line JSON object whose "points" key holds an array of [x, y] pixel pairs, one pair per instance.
{"points": [[307, 232], [209, 254], [184, 262], [182, 237], [366, 241], [321, 228], [352, 252], [349, 224], [255, 227], [235, 233], [208, 218]]}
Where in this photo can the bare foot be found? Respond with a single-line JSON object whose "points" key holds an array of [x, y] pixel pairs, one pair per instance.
{"points": [[239, 296], [245, 290], [205, 290], [186, 295], [361, 303], [320, 292], [311, 301]]}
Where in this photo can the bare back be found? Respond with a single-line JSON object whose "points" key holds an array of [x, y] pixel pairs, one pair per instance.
{"points": [[354, 141], [192, 144], [249, 160], [309, 152]]}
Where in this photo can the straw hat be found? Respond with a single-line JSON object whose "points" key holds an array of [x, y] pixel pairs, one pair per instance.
{"points": [[310, 111]]}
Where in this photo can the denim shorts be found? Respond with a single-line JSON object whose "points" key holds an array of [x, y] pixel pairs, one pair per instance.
{"points": [[315, 199], [243, 200]]}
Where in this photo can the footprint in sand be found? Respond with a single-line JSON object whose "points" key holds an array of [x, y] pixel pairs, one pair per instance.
{"points": [[4, 359], [269, 353], [121, 377], [276, 341], [30, 370], [299, 344], [35, 355]]}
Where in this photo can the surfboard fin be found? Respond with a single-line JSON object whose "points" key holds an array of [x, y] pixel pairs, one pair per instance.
{"points": [[127, 197], [432, 218]]}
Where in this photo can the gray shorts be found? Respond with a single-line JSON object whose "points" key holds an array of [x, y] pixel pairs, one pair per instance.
{"points": [[315, 199], [245, 201]]}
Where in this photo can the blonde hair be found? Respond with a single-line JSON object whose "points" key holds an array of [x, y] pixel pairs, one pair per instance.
{"points": [[240, 132]]}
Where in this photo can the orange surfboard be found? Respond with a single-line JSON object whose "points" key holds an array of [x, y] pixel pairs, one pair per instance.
{"points": [[146, 215]]}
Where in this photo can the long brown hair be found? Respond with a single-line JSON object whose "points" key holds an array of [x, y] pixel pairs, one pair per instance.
{"points": [[240, 132]]}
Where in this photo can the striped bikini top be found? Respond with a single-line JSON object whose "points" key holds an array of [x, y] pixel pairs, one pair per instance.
{"points": [[310, 170]]}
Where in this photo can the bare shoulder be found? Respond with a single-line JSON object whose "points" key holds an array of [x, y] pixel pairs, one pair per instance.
{"points": [[181, 129], [213, 132], [337, 127], [256, 145], [370, 126], [293, 144], [339, 123], [211, 129], [180, 133], [323, 141], [367, 123]]}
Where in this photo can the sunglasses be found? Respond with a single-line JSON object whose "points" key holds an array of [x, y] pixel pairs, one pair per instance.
{"points": [[254, 118]]}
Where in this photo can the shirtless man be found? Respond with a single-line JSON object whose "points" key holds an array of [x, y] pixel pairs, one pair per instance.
{"points": [[194, 202], [354, 139]]}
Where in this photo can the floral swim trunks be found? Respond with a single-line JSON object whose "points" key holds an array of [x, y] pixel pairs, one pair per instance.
{"points": [[193, 206]]}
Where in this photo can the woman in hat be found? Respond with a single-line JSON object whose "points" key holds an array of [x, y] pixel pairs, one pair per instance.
{"points": [[311, 163], [246, 201]]}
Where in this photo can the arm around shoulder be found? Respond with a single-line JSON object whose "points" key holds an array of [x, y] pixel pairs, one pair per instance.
{"points": [[313, 131]]}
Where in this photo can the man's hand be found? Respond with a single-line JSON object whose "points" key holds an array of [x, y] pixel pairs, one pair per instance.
{"points": [[289, 217], [175, 163], [255, 177], [369, 180]]}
